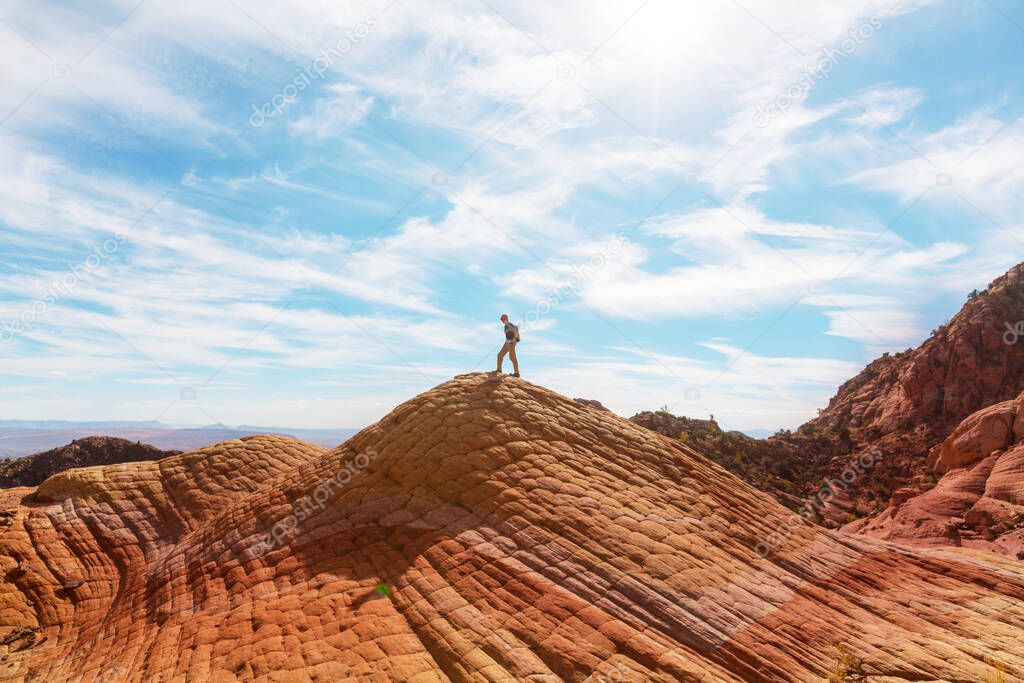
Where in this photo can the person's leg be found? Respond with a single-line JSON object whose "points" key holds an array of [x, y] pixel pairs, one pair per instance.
{"points": [[501, 355], [515, 361]]}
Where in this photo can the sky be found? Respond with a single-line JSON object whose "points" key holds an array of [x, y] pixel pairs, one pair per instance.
{"points": [[303, 214]]}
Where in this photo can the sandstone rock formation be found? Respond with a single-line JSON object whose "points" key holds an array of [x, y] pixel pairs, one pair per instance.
{"points": [[979, 501], [964, 366], [31, 470], [905, 404], [899, 407], [488, 529]]}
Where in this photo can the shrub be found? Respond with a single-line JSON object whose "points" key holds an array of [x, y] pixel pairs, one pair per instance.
{"points": [[848, 669]]}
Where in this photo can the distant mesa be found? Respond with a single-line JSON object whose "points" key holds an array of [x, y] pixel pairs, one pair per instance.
{"points": [[25, 437], [32, 470]]}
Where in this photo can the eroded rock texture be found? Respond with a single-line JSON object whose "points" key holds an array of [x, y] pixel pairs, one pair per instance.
{"points": [[899, 408], [966, 365], [488, 529], [979, 501]]}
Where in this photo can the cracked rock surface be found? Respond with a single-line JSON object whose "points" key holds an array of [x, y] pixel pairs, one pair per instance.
{"points": [[488, 529], [979, 501]]}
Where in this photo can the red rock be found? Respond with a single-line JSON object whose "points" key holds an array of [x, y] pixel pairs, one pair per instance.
{"points": [[979, 501], [901, 496], [901, 408], [495, 567], [981, 434]]}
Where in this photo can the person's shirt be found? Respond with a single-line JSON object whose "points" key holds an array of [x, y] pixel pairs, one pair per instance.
{"points": [[511, 332]]}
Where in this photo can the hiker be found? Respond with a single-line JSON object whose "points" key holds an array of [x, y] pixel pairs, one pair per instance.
{"points": [[509, 347]]}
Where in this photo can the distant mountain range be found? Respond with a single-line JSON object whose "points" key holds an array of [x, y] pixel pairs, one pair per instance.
{"points": [[25, 437], [68, 424]]}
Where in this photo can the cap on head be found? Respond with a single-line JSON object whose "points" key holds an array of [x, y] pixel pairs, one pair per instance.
{"points": [[504, 317]]}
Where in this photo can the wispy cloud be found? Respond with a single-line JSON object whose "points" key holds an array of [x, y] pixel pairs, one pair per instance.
{"points": [[457, 158]]}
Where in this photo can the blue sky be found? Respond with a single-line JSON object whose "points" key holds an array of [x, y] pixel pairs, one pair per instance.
{"points": [[303, 214]]}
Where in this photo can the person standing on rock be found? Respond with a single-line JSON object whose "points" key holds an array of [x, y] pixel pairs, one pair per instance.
{"points": [[509, 347]]}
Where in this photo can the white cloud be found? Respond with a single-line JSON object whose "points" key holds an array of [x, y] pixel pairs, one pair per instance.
{"points": [[335, 114], [879, 329], [742, 264], [885, 105], [975, 162], [743, 390], [671, 91]]}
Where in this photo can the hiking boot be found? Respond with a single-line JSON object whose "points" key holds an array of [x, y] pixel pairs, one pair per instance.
{"points": [[515, 374]]}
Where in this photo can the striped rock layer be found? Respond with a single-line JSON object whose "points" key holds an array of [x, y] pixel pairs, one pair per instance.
{"points": [[488, 529]]}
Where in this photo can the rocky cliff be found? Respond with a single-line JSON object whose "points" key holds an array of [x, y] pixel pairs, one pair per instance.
{"points": [[488, 529], [899, 409], [969, 363], [979, 501]]}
